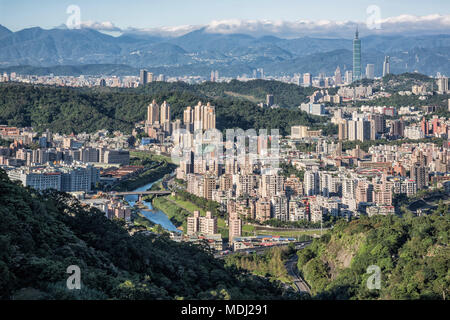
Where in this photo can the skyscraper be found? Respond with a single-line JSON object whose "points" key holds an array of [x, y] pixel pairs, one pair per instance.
{"points": [[363, 130], [397, 128], [337, 76], [386, 66], [204, 116], [311, 182], [419, 174], [348, 76], [269, 100], [143, 77], [165, 113], [153, 113], [370, 71], [442, 83], [307, 79], [356, 57], [165, 116], [149, 77]]}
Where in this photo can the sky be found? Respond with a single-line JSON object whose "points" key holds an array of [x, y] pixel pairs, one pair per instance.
{"points": [[265, 16]]}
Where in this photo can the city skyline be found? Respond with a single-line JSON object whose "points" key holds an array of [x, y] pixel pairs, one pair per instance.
{"points": [[248, 151]]}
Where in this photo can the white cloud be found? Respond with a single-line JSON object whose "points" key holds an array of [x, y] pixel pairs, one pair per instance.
{"points": [[165, 31], [403, 24], [100, 26]]}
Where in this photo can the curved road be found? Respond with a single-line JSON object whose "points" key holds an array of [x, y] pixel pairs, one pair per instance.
{"points": [[299, 283]]}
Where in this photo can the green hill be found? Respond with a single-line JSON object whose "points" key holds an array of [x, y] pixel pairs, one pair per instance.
{"points": [[41, 234], [411, 252], [68, 110]]}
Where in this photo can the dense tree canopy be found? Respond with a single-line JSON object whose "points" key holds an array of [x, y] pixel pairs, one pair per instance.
{"points": [[68, 110], [41, 234], [411, 252]]}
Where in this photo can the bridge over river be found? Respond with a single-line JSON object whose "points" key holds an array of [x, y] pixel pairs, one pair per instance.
{"points": [[139, 193]]}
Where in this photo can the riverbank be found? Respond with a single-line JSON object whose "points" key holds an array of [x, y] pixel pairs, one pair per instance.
{"points": [[153, 171], [178, 210], [177, 215]]}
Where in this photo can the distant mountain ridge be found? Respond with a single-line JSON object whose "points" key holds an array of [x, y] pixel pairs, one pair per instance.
{"points": [[199, 52]]}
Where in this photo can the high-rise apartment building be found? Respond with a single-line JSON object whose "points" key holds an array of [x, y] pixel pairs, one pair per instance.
{"points": [[235, 228], [204, 117], [363, 130], [348, 76], [143, 77], [307, 79], [419, 173], [270, 100], [352, 132], [397, 128], [379, 123], [343, 130], [208, 224], [312, 182], [263, 211], [165, 116], [370, 71], [204, 225], [442, 83], [337, 76], [153, 113], [209, 184]]}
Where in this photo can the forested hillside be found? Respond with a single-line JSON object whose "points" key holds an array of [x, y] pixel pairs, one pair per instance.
{"points": [[412, 253], [41, 234], [68, 110]]}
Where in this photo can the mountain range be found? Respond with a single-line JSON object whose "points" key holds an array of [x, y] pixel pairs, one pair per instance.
{"points": [[199, 52]]}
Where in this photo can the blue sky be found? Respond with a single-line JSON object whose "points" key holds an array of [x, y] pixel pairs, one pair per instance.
{"points": [[19, 14]]}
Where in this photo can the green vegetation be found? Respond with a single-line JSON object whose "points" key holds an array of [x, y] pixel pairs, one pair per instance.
{"points": [[41, 234], [412, 253], [404, 82], [285, 95], [300, 234], [206, 205], [154, 170], [4, 143], [270, 264], [396, 100], [306, 147], [287, 169], [183, 204], [141, 223], [300, 224], [68, 110], [176, 214], [142, 158]]}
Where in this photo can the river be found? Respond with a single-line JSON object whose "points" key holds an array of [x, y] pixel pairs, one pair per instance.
{"points": [[155, 216]]}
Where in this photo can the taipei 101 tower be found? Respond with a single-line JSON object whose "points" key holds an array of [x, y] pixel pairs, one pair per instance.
{"points": [[356, 57]]}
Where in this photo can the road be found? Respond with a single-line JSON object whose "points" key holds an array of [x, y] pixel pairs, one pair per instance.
{"points": [[299, 283], [261, 250]]}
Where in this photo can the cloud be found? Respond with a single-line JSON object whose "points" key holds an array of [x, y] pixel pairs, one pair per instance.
{"points": [[100, 26], [165, 31], [403, 24]]}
